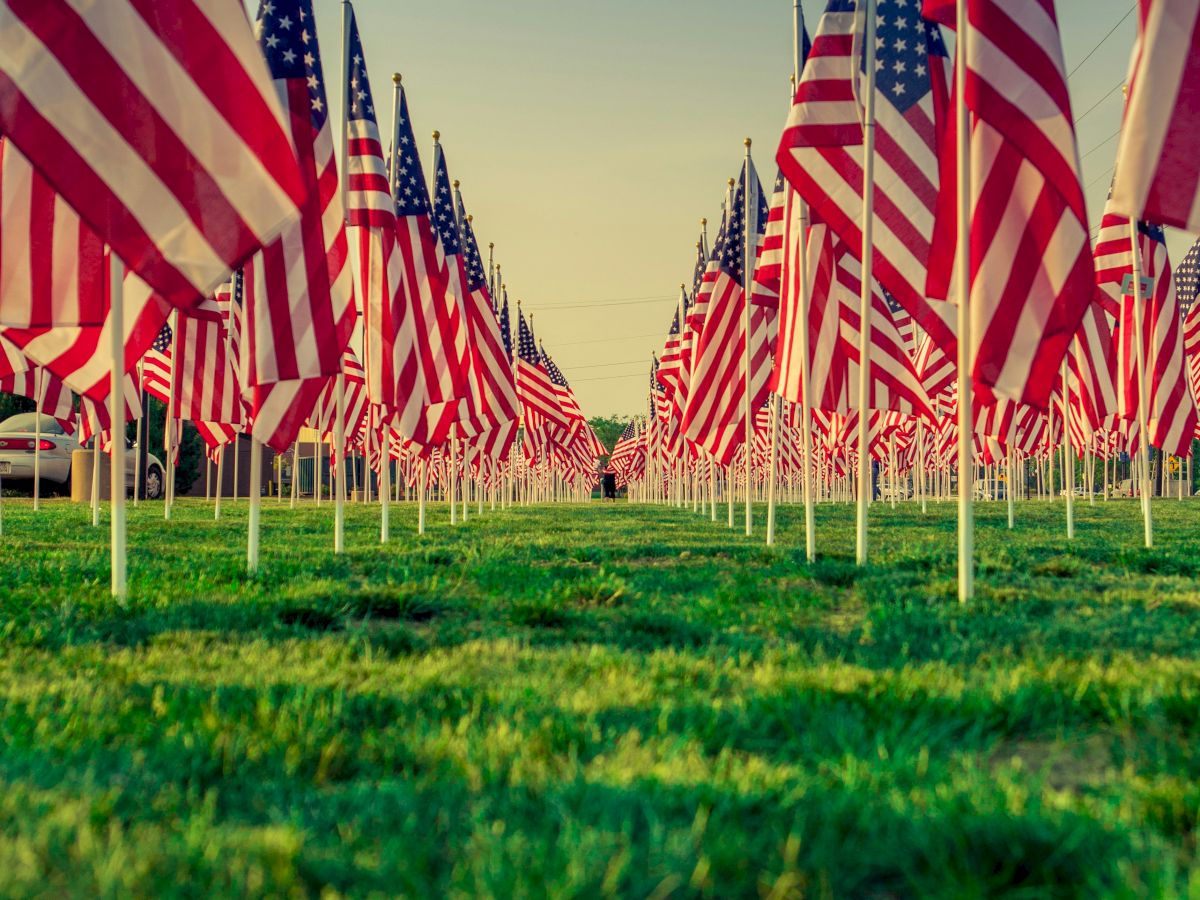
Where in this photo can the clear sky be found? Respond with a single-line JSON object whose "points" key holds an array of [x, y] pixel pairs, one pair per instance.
{"points": [[591, 137]]}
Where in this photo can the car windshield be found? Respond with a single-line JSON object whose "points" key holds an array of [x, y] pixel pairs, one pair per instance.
{"points": [[27, 422]]}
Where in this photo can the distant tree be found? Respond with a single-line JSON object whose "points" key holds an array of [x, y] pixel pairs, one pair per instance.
{"points": [[11, 404], [191, 447], [608, 429]]}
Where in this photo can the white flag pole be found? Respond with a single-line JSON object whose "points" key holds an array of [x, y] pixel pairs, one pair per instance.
{"points": [[295, 473], [1068, 462], [96, 479], [1143, 417], [116, 399], [966, 522], [385, 482], [339, 425], [864, 306], [168, 486], [255, 498], [749, 246], [810, 545], [37, 438], [422, 490], [220, 480]]}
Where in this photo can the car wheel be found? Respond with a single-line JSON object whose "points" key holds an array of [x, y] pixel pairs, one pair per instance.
{"points": [[154, 483]]}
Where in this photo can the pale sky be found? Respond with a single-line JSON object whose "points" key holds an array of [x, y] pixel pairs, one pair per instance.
{"points": [[591, 137]]}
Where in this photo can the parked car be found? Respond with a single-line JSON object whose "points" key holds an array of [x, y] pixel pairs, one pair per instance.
{"points": [[18, 440]]}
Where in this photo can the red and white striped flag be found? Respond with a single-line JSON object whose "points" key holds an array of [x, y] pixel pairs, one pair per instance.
{"points": [[206, 386], [1158, 169], [714, 417], [437, 329], [1031, 278], [820, 152], [52, 267], [1170, 408], [539, 401], [299, 305], [158, 124]]}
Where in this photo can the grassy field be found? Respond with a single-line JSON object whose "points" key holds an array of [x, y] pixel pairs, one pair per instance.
{"points": [[600, 700]]}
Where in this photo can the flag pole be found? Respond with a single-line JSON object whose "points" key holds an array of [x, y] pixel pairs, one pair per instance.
{"points": [[220, 480], [96, 478], [1143, 418], [422, 488], [864, 307], [255, 497], [139, 468], [339, 425], [169, 428], [749, 245], [37, 437], [810, 543], [116, 397], [1068, 462], [966, 523]]}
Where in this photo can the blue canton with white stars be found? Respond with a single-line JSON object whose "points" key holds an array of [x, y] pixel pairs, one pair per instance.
{"points": [[412, 197], [526, 348], [287, 34], [358, 86], [476, 274], [1187, 278], [903, 44], [505, 328], [162, 343], [1152, 231], [443, 206], [734, 236], [556, 375]]}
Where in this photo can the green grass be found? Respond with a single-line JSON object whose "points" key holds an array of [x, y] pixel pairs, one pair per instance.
{"points": [[600, 700]]}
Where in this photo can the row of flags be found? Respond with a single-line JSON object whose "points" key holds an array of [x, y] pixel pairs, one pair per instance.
{"points": [[1054, 317], [175, 169]]}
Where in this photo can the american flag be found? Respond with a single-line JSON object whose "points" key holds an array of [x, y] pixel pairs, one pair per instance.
{"points": [[1170, 406], [535, 390], [81, 355], [820, 152], [894, 382], [439, 333], [1191, 349], [827, 363], [158, 124], [156, 367], [299, 310], [206, 385], [324, 414], [52, 266], [670, 365], [53, 399], [476, 413], [389, 337], [1187, 278], [1158, 171], [1031, 278], [505, 327], [714, 417], [96, 418], [490, 366]]}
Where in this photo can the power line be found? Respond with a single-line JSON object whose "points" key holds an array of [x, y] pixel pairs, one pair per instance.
{"points": [[1099, 145], [645, 375], [603, 365], [1102, 40], [1092, 108], [625, 302], [623, 337]]}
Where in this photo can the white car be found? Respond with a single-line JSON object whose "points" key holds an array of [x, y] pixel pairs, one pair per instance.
{"points": [[19, 437]]}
